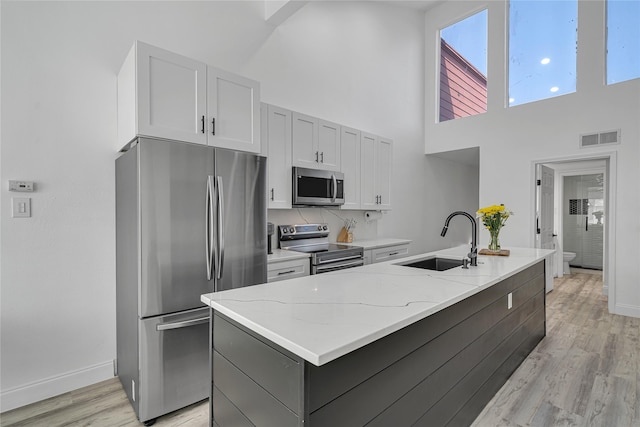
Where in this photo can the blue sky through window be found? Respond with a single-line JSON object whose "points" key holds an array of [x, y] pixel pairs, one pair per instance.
{"points": [[469, 38], [542, 45], [623, 40]]}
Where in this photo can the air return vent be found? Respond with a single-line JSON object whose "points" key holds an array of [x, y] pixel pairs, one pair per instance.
{"points": [[602, 138]]}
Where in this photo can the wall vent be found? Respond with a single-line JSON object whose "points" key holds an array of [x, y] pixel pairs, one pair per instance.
{"points": [[602, 138]]}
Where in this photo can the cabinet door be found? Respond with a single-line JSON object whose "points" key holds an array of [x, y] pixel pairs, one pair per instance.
{"points": [[384, 157], [278, 140], [171, 99], [350, 165], [368, 192], [305, 141], [329, 145], [233, 105]]}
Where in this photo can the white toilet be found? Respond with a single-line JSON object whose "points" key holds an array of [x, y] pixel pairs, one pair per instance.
{"points": [[566, 257]]}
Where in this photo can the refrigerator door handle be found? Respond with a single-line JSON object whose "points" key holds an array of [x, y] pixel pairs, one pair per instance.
{"points": [[209, 227], [220, 227], [183, 324]]}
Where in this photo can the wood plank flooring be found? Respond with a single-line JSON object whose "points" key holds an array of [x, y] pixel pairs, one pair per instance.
{"points": [[586, 372]]}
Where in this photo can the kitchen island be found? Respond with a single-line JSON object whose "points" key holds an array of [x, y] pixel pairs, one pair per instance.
{"points": [[384, 344]]}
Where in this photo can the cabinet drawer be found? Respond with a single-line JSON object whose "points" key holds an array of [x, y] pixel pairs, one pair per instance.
{"points": [[389, 253], [283, 270]]}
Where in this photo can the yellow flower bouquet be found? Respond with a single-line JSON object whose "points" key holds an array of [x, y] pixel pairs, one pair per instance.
{"points": [[494, 218]]}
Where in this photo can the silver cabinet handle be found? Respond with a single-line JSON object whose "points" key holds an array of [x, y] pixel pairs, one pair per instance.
{"points": [[316, 157], [282, 273], [272, 195], [393, 253], [183, 324], [209, 248], [220, 227], [322, 157]]}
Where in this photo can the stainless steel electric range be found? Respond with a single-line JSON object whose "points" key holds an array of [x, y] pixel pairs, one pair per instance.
{"points": [[314, 239]]}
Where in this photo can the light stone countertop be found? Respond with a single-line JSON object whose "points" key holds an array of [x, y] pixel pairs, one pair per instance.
{"points": [[367, 244], [323, 317]]}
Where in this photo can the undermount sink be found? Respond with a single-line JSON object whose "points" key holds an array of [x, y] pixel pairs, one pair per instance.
{"points": [[435, 263]]}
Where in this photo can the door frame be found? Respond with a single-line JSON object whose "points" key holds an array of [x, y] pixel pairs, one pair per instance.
{"points": [[610, 175]]}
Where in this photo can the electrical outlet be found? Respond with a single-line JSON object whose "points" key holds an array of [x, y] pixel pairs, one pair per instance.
{"points": [[21, 207], [22, 186]]}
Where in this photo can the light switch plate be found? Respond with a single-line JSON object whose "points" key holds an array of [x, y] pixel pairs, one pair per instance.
{"points": [[21, 207]]}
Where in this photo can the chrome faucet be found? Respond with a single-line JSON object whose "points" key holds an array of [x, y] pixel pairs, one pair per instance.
{"points": [[473, 255]]}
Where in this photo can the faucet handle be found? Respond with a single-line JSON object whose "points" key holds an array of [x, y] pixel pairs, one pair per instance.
{"points": [[465, 263]]}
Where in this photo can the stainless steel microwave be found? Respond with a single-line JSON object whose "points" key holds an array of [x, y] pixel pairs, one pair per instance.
{"points": [[312, 187]]}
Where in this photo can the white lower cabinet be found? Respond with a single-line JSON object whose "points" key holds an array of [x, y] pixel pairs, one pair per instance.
{"points": [[282, 270], [372, 256]]}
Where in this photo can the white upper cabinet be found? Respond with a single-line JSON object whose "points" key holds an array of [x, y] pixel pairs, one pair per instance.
{"points": [[305, 141], [316, 143], [350, 162], [233, 107], [383, 172], [161, 94], [276, 131], [375, 162], [329, 145], [165, 95]]}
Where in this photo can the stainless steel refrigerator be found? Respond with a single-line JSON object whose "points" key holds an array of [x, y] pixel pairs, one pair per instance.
{"points": [[190, 219]]}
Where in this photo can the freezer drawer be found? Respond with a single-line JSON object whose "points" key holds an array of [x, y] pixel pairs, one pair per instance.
{"points": [[174, 362]]}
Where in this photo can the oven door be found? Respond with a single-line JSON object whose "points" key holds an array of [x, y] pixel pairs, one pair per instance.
{"points": [[337, 265], [313, 187]]}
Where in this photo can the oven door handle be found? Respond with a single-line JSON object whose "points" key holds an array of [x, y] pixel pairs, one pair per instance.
{"points": [[340, 259], [328, 268]]}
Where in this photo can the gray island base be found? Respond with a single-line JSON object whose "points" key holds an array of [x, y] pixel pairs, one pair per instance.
{"points": [[441, 370]]}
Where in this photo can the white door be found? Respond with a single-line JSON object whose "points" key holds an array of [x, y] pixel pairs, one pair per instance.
{"points": [[305, 141], [368, 192], [384, 157], [171, 95], [278, 140], [233, 106], [329, 145], [350, 165], [545, 227]]}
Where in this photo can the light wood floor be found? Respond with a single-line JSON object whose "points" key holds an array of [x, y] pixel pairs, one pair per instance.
{"points": [[585, 372]]}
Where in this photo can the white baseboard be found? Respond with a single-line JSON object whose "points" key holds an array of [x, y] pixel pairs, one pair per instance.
{"points": [[53, 386], [627, 310]]}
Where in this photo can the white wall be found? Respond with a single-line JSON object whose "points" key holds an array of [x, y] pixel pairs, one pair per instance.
{"points": [[511, 139], [360, 64]]}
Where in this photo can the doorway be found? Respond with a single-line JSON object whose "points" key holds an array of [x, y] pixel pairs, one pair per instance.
{"points": [[596, 215]]}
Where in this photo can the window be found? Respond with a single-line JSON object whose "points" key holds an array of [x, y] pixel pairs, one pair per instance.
{"points": [[542, 49], [623, 40], [463, 68]]}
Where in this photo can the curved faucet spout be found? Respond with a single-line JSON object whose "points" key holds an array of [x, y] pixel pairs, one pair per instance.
{"points": [[473, 254]]}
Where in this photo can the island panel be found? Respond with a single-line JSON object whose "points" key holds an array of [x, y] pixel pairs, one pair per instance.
{"points": [[441, 369]]}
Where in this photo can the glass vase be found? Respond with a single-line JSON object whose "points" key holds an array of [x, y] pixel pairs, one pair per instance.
{"points": [[494, 244]]}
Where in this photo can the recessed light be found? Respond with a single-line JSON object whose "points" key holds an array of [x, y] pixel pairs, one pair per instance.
{"points": [[545, 61], [554, 89]]}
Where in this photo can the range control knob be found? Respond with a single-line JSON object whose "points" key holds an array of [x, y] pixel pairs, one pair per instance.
{"points": [[319, 228], [291, 230], [324, 227]]}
